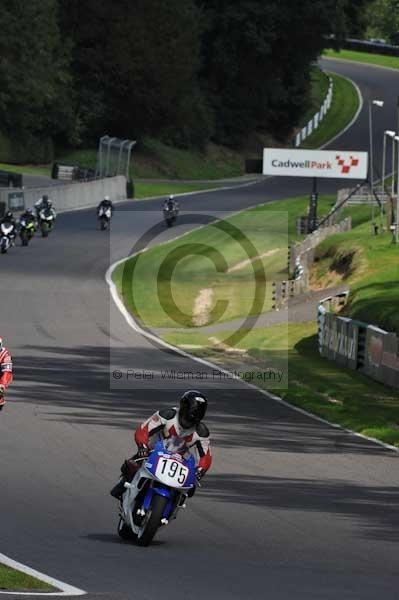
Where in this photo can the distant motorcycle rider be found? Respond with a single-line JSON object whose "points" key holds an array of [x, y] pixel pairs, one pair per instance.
{"points": [[171, 204], [5, 371], [105, 205], [8, 220], [47, 207], [42, 203], [28, 216], [183, 430]]}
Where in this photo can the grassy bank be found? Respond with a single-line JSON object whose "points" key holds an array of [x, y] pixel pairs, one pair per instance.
{"points": [[153, 159], [315, 384], [345, 104], [12, 580], [370, 265], [365, 57]]}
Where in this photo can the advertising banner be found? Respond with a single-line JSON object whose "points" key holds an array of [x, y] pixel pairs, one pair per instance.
{"points": [[382, 359], [335, 164]]}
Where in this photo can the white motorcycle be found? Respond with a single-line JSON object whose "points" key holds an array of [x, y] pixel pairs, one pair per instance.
{"points": [[6, 238], [46, 221], [157, 492]]}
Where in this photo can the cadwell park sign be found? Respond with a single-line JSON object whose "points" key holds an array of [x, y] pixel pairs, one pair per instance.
{"points": [[335, 164]]}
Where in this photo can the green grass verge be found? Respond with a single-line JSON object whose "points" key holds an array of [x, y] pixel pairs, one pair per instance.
{"points": [[315, 384], [365, 57], [164, 297], [148, 190], [12, 580], [27, 169], [345, 104]]}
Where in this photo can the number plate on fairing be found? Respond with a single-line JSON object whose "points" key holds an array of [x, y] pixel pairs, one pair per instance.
{"points": [[171, 472]]}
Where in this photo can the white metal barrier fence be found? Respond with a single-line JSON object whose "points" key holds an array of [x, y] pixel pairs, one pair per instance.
{"points": [[315, 121]]}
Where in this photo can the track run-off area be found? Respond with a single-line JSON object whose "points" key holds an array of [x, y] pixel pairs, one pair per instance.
{"points": [[292, 508]]}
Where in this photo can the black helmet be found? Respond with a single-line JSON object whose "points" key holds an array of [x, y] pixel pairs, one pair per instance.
{"points": [[193, 405], [8, 215], [45, 198]]}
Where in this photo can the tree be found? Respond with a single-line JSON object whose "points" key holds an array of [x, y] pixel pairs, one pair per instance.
{"points": [[135, 66], [256, 62], [383, 20], [34, 77]]}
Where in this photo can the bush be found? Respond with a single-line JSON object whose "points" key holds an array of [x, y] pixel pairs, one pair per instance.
{"points": [[32, 151]]}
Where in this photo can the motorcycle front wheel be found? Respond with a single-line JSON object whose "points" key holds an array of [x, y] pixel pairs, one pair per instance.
{"points": [[124, 531], [152, 520]]}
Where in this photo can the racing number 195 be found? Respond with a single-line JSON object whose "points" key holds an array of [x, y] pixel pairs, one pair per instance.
{"points": [[174, 470]]}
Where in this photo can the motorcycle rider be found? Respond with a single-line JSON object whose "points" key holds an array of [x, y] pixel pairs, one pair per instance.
{"points": [[47, 206], [9, 219], [171, 204], [28, 216], [42, 203], [182, 428], [106, 203], [5, 371]]}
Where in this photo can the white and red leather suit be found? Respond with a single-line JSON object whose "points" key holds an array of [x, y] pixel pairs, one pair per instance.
{"points": [[164, 425], [5, 370]]}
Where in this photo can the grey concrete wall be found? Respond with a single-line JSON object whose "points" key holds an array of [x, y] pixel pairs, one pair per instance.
{"points": [[73, 196]]}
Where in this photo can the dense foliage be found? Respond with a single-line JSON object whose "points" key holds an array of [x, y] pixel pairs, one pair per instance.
{"points": [[185, 71], [383, 20]]}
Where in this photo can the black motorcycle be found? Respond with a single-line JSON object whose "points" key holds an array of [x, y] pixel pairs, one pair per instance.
{"points": [[170, 215], [26, 230], [104, 215]]}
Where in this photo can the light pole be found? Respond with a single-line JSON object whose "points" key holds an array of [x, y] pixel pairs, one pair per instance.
{"points": [[395, 139], [397, 196], [380, 104], [391, 134]]}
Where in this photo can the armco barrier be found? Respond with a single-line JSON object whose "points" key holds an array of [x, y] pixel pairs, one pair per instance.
{"points": [[301, 255], [72, 196], [304, 251], [358, 345], [282, 291]]}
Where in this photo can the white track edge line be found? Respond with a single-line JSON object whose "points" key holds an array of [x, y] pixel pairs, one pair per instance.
{"points": [[136, 327], [65, 588]]}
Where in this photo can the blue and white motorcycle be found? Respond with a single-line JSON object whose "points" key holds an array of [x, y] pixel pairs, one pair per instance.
{"points": [[157, 492]]}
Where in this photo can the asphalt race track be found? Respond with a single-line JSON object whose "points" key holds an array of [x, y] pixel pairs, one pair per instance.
{"points": [[292, 508]]}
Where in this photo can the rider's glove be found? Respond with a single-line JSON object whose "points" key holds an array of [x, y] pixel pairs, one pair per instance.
{"points": [[2, 389], [200, 472], [142, 451]]}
